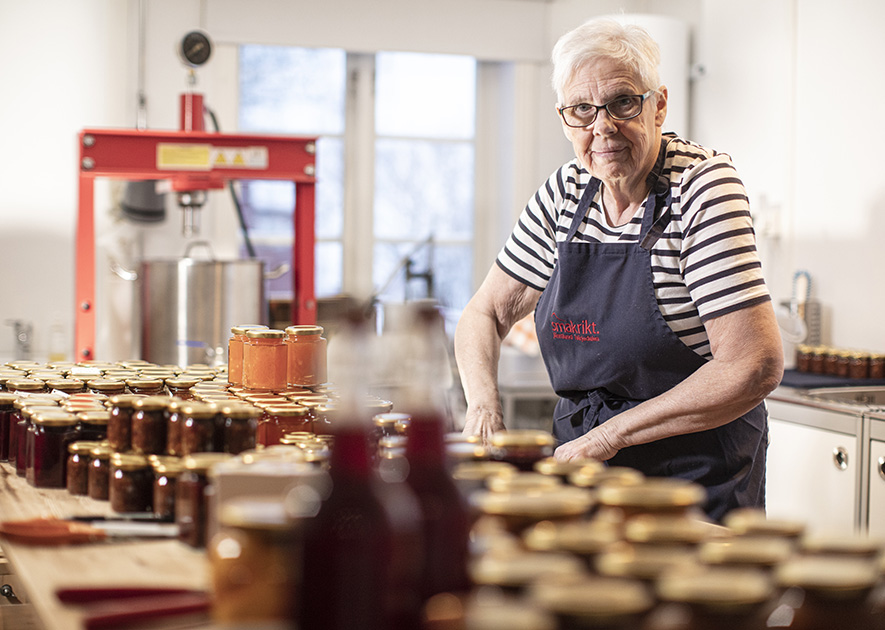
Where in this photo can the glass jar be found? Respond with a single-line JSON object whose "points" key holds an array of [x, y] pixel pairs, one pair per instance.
{"points": [[515, 571], [661, 495], [120, 422], [25, 386], [146, 386], [77, 471], [859, 365], [240, 427], [386, 423], [182, 387], [235, 351], [24, 457], [843, 363], [265, 361], [306, 356], [131, 483], [66, 385], [7, 410], [522, 448], [818, 359], [166, 473], [173, 425], [106, 386], [52, 432], [877, 366], [191, 497], [279, 420], [94, 425], [200, 432], [149, 425], [100, 472]]}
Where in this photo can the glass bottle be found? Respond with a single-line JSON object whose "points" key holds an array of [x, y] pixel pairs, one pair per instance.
{"points": [[235, 349], [265, 360], [306, 352]]}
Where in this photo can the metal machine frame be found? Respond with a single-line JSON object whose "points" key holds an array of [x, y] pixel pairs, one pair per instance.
{"points": [[193, 160]]}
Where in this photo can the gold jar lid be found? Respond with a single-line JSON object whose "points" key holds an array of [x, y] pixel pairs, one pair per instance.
{"points": [[102, 451], [151, 403], [481, 471], [519, 568], [845, 546], [124, 401], [391, 442], [265, 515], [68, 385], [197, 410], [129, 461], [545, 503], [596, 601], [522, 438], [28, 412], [670, 528], [466, 451], [239, 411], [23, 365], [144, 383], [286, 410], [25, 385], [747, 551], [377, 406], [265, 333], [83, 447], [578, 537], [716, 588], [828, 576], [240, 329], [754, 522], [304, 330], [485, 613], [643, 562], [94, 417], [106, 385], [552, 466], [181, 382], [523, 481], [167, 465], [658, 493], [202, 462], [592, 476], [7, 400], [54, 418], [388, 419]]}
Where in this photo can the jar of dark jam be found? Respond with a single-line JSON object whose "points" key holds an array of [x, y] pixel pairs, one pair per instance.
{"points": [[240, 427], [100, 472], [120, 423], [77, 472], [182, 387], [106, 386], [94, 425], [843, 363], [7, 409], [831, 361], [173, 425], [521, 448], [53, 431], [191, 497], [166, 472], [146, 386], [66, 385], [279, 420], [200, 432], [24, 432], [859, 365], [131, 483], [818, 360], [877, 366], [149, 425]]}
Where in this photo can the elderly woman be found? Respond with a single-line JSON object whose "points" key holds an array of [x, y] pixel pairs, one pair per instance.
{"points": [[638, 258]]}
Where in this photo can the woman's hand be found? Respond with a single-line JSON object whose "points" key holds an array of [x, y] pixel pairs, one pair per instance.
{"points": [[484, 422], [595, 444]]}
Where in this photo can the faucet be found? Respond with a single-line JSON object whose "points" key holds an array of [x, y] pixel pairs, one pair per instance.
{"points": [[23, 332]]}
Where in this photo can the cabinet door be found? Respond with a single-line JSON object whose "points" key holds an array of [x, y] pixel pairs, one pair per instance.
{"points": [[877, 489], [811, 477]]}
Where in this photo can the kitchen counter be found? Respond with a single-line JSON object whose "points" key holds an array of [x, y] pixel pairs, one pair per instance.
{"points": [[43, 570]]}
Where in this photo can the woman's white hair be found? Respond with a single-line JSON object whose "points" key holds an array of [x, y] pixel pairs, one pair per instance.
{"points": [[604, 38]]}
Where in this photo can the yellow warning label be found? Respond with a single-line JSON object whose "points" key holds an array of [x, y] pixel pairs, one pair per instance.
{"points": [[184, 157], [240, 157]]}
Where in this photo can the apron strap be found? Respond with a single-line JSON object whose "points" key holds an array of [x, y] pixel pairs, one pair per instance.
{"points": [[659, 197], [583, 206]]}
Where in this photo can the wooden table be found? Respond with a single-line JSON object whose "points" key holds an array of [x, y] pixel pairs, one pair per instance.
{"points": [[43, 570]]}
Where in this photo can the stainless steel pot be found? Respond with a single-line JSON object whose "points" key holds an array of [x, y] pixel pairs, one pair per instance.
{"points": [[188, 306]]}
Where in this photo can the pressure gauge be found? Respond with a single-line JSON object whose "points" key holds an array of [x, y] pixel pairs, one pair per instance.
{"points": [[195, 49]]}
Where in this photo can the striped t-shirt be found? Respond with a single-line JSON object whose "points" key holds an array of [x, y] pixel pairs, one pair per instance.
{"points": [[704, 265]]}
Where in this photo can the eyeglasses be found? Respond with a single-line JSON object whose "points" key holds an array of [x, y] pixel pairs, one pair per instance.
{"points": [[622, 108]]}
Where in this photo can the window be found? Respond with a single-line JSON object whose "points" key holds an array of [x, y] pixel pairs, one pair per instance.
{"points": [[419, 173]]}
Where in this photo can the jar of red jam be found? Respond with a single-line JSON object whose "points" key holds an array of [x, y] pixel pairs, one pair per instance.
{"points": [[306, 352], [7, 409], [191, 497], [182, 387], [131, 483], [106, 386], [200, 432], [281, 419], [146, 386], [24, 436], [166, 472], [77, 471], [240, 427], [522, 448], [100, 472], [93, 425], [120, 422], [149, 425], [235, 350], [265, 360], [52, 432]]}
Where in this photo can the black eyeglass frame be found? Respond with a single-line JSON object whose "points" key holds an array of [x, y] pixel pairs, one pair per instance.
{"points": [[605, 106]]}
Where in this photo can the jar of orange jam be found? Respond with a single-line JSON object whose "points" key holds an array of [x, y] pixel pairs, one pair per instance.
{"points": [[265, 360], [235, 349], [306, 355]]}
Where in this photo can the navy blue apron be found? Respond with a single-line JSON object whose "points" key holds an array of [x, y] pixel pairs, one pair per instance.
{"points": [[607, 348]]}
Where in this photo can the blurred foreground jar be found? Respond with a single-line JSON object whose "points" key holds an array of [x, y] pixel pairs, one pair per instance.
{"points": [[594, 602], [93, 425], [7, 408], [166, 472], [240, 427], [131, 483], [522, 448], [278, 420], [192, 497], [251, 564], [306, 352], [235, 348], [265, 360]]}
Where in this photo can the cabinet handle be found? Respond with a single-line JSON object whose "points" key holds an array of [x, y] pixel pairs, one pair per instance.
{"points": [[840, 457], [882, 467]]}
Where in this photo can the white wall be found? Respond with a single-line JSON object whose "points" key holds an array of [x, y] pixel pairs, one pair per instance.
{"points": [[773, 71]]}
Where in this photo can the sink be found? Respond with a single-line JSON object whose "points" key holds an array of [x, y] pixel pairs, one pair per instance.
{"points": [[873, 395]]}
